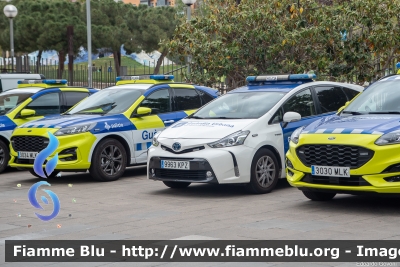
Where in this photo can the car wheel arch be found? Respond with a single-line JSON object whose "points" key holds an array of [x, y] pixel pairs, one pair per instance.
{"points": [[122, 140], [276, 153]]}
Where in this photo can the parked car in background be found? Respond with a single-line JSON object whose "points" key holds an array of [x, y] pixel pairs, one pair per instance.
{"points": [[10, 80], [32, 100]]}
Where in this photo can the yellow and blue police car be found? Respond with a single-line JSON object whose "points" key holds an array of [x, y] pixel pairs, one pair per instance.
{"points": [[32, 100], [355, 151], [112, 129]]}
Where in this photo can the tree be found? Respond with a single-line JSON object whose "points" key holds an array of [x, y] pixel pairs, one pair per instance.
{"points": [[277, 36], [56, 22], [155, 27], [110, 28]]}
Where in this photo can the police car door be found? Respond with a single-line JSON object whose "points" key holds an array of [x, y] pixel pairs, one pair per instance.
{"points": [[304, 104], [147, 126]]}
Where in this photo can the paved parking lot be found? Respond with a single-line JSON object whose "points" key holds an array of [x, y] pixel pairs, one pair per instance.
{"points": [[136, 208]]}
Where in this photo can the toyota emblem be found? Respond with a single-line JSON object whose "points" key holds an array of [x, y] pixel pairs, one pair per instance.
{"points": [[176, 146]]}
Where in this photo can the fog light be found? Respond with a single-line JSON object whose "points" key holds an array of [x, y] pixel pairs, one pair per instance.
{"points": [[290, 173], [393, 179], [152, 173], [289, 163], [209, 174]]}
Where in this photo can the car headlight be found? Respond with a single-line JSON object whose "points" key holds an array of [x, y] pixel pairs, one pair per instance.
{"points": [[234, 139], [155, 139], [295, 135], [75, 129], [389, 139]]}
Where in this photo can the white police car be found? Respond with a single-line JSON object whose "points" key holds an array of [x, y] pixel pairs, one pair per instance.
{"points": [[242, 137]]}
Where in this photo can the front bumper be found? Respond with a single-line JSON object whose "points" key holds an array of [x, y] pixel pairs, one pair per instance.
{"points": [[227, 165], [372, 177], [73, 150]]}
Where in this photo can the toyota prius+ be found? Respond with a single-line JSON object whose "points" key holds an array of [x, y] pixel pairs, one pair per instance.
{"points": [[355, 151], [241, 137]]}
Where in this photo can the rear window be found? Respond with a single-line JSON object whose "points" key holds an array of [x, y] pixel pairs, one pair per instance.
{"points": [[205, 98]]}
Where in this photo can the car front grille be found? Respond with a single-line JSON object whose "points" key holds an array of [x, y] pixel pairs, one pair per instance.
{"points": [[341, 181], [29, 143], [334, 155], [181, 174], [183, 151]]}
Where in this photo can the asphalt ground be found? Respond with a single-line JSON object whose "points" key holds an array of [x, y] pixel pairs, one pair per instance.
{"points": [[140, 209]]}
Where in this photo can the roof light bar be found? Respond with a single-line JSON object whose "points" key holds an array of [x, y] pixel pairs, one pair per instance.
{"points": [[43, 81], [275, 78], [145, 77]]}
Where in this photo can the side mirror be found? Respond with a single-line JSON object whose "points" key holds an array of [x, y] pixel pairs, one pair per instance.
{"points": [[143, 111], [27, 113], [345, 105], [290, 117]]}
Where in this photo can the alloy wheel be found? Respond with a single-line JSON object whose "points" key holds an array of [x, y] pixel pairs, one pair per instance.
{"points": [[265, 171]]}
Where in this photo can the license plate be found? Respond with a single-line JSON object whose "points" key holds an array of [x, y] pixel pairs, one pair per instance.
{"points": [[172, 164], [330, 171], [27, 155]]}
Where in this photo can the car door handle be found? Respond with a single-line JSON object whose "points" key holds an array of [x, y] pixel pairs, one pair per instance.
{"points": [[170, 121]]}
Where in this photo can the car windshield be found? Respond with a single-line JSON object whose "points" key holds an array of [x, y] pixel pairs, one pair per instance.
{"points": [[10, 100], [113, 100], [379, 98], [248, 105]]}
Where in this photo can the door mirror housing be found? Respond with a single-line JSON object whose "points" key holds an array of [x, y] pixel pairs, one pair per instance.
{"points": [[27, 113], [345, 105], [142, 111], [290, 117]]}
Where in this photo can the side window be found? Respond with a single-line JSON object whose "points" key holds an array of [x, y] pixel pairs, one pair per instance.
{"points": [[46, 104], [159, 102], [278, 117], [301, 103], [330, 98], [350, 93], [205, 98], [186, 99], [71, 98]]}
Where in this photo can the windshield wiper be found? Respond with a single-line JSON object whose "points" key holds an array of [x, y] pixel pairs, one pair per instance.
{"points": [[353, 112], [233, 118], [96, 107], [384, 112], [194, 117]]}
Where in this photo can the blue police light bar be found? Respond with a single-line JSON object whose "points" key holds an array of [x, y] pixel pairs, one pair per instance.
{"points": [[146, 77], [275, 78], [43, 81]]}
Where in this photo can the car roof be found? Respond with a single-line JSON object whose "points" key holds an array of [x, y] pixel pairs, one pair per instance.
{"points": [[287, 86]]}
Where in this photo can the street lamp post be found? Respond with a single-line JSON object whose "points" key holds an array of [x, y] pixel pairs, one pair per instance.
{"points": [[189, 3], [89, 42], [11, 12]]}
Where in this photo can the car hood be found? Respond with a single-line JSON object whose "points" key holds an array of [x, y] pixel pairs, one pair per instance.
{"points": [[355, 124], [104, 123], [204, 129]]}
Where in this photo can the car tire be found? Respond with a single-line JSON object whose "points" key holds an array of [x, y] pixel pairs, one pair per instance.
{"points": [[4, 156], [101, 168], [319, 196], [176, 184], [264, 172], [52, 175]]}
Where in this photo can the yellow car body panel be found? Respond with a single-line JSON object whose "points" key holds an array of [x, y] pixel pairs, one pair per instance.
{"points": [[371, 171]]}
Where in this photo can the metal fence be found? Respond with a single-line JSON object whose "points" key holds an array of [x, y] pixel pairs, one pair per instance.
{"points": [[103, 75]]}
